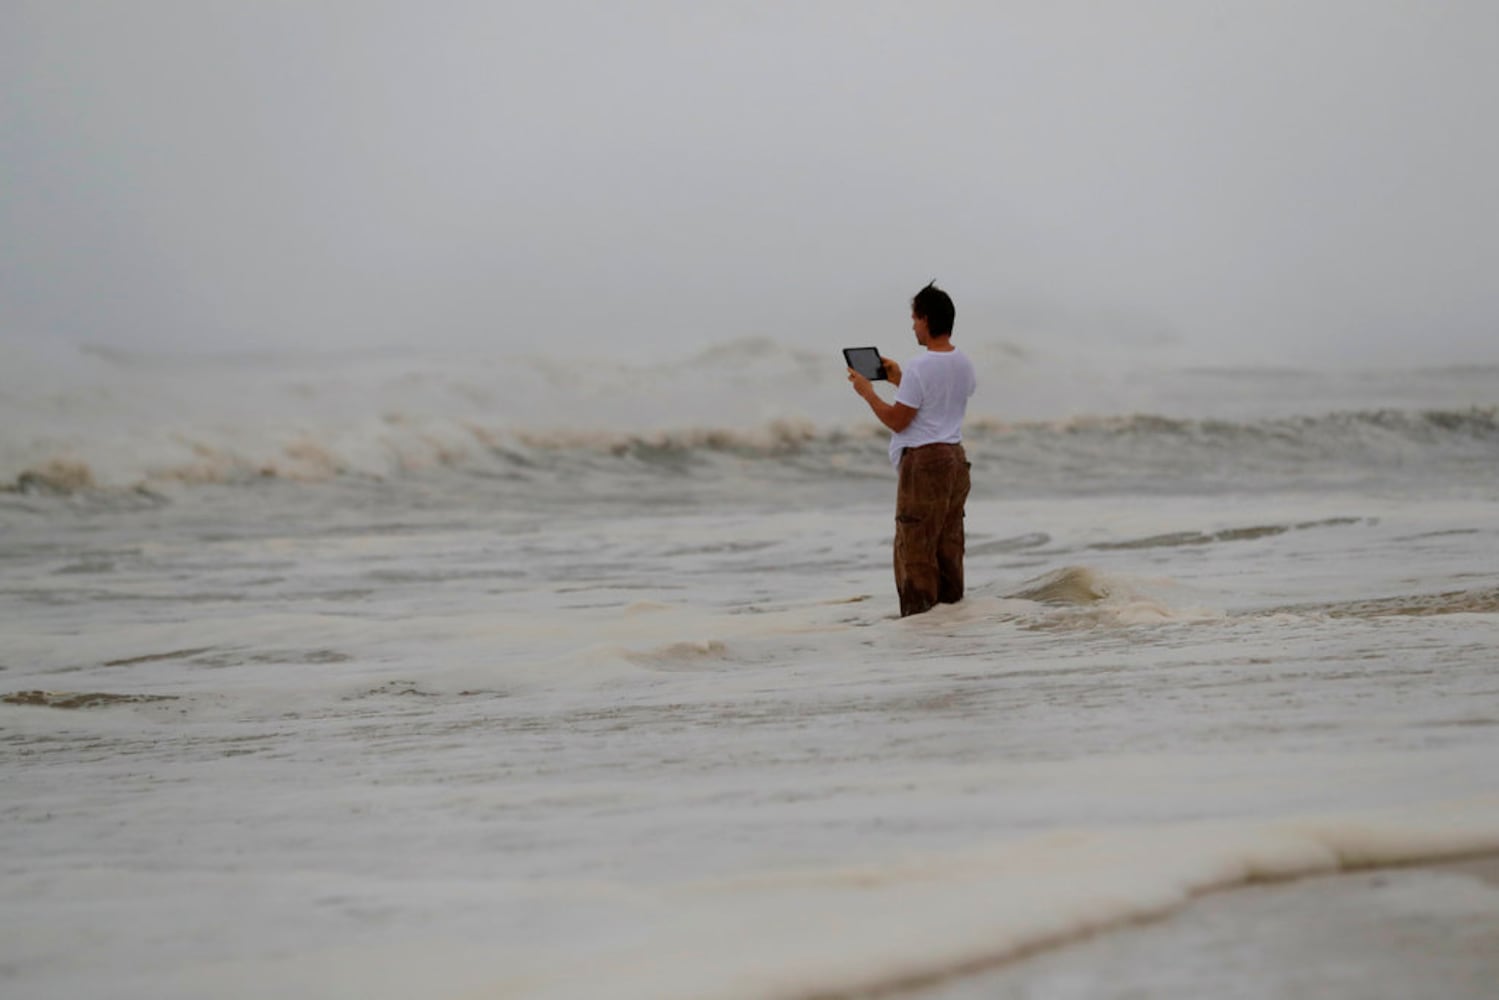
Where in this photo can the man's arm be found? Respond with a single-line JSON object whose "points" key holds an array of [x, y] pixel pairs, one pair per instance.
{"points": [[896, 416]]}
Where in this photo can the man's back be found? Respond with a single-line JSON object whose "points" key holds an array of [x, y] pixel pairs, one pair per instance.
{"points": [[936, 384]]}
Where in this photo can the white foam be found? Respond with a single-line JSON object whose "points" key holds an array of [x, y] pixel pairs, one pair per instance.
{"points": [[868, 929], [704, 758]]}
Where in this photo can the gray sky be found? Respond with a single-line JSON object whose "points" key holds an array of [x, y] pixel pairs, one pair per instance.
{"points": [[1250, 180]]}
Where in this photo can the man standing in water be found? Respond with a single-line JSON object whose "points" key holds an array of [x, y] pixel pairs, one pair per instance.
{"points": [[926, 447]]}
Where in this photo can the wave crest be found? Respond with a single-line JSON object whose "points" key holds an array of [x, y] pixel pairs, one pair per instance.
{"points": [[1138, 451]]}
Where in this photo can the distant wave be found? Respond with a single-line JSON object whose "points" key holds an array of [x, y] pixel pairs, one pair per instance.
{"points": [[1077, 454]]}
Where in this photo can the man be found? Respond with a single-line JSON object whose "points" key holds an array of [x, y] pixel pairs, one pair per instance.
{"points": [[926, 447]]}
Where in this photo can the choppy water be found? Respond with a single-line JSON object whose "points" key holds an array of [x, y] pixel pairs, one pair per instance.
{"points": [[384, 675]]}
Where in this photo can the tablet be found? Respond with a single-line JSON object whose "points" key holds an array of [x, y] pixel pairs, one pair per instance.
{"points": [[866, 361]]}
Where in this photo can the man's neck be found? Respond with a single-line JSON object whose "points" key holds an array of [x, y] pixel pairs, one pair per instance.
{"points": [[939, 344]]}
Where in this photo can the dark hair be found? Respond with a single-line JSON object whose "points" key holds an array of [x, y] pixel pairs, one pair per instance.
{"points": [[935, 306]]}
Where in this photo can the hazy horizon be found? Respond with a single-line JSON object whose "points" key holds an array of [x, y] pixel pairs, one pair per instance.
{"points": [[1258, 183]]}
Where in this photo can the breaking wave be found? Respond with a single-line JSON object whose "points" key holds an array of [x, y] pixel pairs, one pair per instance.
{"points": [[1074, 455], [77, 421]]}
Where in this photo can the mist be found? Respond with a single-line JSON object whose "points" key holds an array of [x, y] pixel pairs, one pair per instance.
{"points": [[1268, 183]]}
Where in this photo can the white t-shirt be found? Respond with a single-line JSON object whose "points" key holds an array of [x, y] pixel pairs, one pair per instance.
{"points": [[937, 385]]}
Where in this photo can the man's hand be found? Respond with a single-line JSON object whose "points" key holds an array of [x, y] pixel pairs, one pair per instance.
{"points": [[892, 370], [861, 384]]}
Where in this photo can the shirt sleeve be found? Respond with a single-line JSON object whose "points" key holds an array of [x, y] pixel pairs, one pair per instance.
{"points": [[909, 392]]}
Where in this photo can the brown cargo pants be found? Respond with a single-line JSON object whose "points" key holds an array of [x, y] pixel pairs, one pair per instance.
{"points": [[929, 526]]}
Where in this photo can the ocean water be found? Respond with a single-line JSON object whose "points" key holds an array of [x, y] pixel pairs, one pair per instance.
{"points": [[386, 675]]}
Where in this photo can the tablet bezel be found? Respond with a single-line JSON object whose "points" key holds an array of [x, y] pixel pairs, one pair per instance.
{"points": [[879, 364]]}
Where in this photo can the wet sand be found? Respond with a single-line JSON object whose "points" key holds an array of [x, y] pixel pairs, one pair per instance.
{"points": [[1377, 934]]}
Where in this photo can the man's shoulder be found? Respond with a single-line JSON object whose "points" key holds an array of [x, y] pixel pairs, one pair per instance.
{"points": [[926, 358]]}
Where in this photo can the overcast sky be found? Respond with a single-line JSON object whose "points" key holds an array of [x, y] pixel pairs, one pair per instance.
{"points": [[1249, 180]]}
